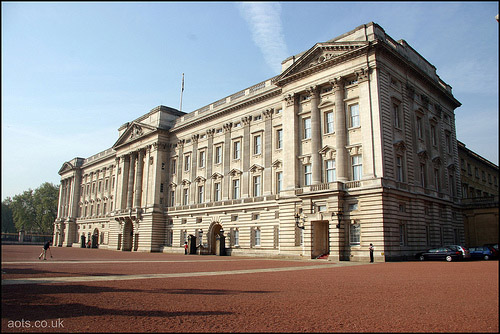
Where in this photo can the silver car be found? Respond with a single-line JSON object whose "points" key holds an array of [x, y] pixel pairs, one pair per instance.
{"points": [[465, 251]]}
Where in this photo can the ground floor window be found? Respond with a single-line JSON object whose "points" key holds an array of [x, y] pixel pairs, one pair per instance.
{"points": [[355, 234]]}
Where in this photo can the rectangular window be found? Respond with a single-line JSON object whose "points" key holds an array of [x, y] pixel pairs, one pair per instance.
{"points": [[436, 178], [307, 175], [357, 167], [187, 162], [218, 154], [397, 115], [279, 139], [420, 130], [236, 189], [172, 198], [174, 166], [236, 150], [422, 175], [448, 143], [354, 234], [402, 234], [257, 237], [185, 196], [236, 237], [217, 195], [433, 135], [202, 159], [256, 186], [257, 144], [307, 128], [201, 191], [279, 181], [329, 125], [399, 168], [331, 172], [161, 187], [354, 115]]}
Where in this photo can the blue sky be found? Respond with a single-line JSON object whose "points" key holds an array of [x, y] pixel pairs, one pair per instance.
{"points": [[73, 73]]}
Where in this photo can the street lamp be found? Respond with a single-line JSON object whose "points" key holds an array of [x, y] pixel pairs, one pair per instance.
{"points": [[339, 215], [297, 221]]}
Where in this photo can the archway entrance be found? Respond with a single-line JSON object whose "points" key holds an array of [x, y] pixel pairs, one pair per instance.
{"points": [[320, 240], [128, 233], [213, 231], [95, 238]]}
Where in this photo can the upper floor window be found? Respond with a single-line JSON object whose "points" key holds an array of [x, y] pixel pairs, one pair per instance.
{"points": [[257, 144], [433, 135], [399, 169], [357, 167], [331, 171], [420, 130], [279, 138], [201, 192], [355, 234], [217, 194], [174, 166], [218, 154], [307, 175], [448, 142], [307, 128], [256, 186], [279, 181], [237, 150], [236, 189], [202, 159], [397, 115], [354, 115], [187, 162], [329, 125]]}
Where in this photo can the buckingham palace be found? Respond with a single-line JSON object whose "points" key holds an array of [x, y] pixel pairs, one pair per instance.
{"points": [[353, 143]]}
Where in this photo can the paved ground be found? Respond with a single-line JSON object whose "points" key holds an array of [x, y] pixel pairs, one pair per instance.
{"points": [[92, 290]]}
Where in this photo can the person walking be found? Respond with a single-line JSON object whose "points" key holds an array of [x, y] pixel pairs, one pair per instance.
{"points": [[371, 248], [46, 247]]}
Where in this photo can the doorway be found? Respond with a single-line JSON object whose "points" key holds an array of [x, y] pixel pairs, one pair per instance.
{"points": [[320, 239], [214, 231]]}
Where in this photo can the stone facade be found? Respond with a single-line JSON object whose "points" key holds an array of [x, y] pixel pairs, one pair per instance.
{"points": [[479, 178], [353, 143]]}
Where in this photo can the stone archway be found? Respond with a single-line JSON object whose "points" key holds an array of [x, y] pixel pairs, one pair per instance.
{"points": [[128, 235], [213, 231], [95, 238]]}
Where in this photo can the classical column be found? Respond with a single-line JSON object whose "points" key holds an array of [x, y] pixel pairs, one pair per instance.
{"points": [[315, 136], [227, 159], [268, 151], [290, 145], [180, 170], [340, 130], [138, 178], [245, 155], [209, 160], [194, 169], [130, 187], [59, 206]]}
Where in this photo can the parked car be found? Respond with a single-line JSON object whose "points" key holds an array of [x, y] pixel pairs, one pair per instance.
{"points": [[492, 245], [483, 252], [464, 250], [441, 253]]}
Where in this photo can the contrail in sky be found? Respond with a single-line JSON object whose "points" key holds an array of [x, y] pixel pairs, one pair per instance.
{"points": [[264, 19]]}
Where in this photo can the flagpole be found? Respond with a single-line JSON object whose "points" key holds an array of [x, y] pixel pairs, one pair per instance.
{"points": [[182, 91]]}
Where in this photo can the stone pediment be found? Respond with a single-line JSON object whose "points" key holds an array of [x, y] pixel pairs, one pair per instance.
{"points": [[66, 167], [134, 131], [320, 55]]}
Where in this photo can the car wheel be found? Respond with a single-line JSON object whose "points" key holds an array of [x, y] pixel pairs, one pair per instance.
{"points": [[449, 258], [421, 258], [486, 257]]}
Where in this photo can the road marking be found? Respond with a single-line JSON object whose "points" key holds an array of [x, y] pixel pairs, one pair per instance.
{"points": [[72, 279]]}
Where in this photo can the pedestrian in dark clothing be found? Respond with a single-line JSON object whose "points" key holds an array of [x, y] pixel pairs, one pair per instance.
{"points": [[46, 247], [371, 248]]}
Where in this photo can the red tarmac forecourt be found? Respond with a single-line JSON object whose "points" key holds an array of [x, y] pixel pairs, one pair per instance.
{"points": [[95, 290]]}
